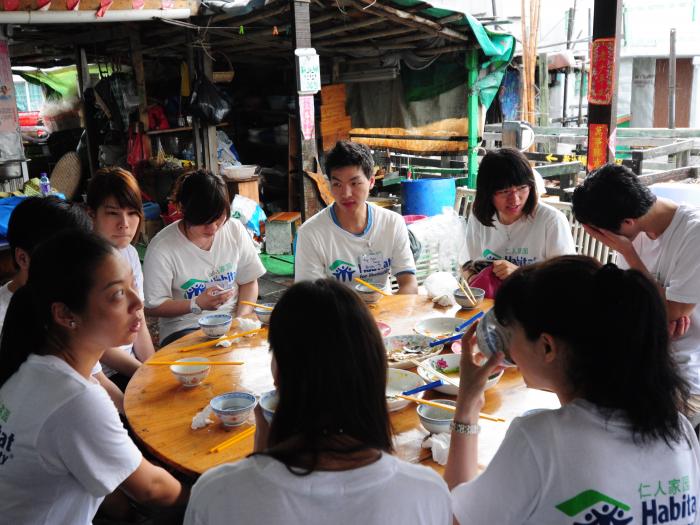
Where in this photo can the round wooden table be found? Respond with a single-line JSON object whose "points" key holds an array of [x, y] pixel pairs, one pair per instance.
{"points": [[160, 410]]}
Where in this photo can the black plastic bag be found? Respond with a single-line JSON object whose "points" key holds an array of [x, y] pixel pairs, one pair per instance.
{"points": [[208, 102]]}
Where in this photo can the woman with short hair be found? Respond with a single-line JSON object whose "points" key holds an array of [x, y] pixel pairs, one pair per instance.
{"points": [[509, 225], [327, 455], [202, 263], [619, 449], [115, 206]]}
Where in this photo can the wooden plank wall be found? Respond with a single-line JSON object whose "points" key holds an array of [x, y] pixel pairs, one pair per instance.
{"points": [[335, 123]]}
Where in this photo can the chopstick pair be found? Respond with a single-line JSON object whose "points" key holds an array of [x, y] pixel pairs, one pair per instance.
{"points": [[467, 291], [446, 407], [459, 329], [257, 305], [233, 440], [371, 287], [432, 371], [194, 363], [213, 342]]}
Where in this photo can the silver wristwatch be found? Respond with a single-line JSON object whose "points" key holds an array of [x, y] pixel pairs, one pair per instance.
{"points": [[194, 307], [464, 428]]}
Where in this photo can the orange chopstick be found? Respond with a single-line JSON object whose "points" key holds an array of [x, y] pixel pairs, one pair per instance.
{"points": [[233, 440]]}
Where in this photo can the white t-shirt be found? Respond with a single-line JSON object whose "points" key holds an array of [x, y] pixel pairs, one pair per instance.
{"points": [[62, 445], [324, 249], [131, 256], [261, 490], [175, 268], [528, 240], [572, 466], [673, 259]]}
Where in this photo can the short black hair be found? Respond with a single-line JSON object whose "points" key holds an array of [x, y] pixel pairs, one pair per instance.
{"points": [[203, 198], [498, 170], [36, 219], [616, 347], [609, 195], [327, 398], [346, 153]]}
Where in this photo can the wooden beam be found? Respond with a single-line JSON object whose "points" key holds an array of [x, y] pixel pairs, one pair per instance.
{"points": [[409, 19], [139, 77], [341, 28], [366, 36], [271, 9]]}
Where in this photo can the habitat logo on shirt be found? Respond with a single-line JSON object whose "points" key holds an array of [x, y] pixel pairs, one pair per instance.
{"points": [[595, 508], [342, 270], [661, 502]]}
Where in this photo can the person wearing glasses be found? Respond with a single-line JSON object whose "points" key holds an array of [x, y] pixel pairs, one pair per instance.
{"points": [[509, 226]]}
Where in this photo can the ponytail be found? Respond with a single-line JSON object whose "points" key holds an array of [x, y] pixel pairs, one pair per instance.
{"points": [[23, 332]]}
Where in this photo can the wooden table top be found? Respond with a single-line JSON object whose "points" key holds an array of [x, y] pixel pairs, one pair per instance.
{"points": [[160, 410]]}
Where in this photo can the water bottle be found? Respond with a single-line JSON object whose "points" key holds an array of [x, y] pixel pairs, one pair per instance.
{"points": [[44, 185], [492, 337]]}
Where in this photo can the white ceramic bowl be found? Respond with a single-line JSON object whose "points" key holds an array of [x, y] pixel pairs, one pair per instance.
{"points": [[190, 375], [215, 325], [368, 295], [438, 327], [449, 364], [436, 420], [233, 408], [264, 314], [464, 302], [402, 345], [268, 403], [398, 381]]}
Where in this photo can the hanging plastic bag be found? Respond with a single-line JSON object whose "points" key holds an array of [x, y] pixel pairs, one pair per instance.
{"points": [[208, 102]]}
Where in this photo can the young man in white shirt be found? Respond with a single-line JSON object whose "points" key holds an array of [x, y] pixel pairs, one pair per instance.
{"points": [[351, 238], [616, 208]]}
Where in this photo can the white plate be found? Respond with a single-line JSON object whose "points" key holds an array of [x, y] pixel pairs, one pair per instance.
{"points": [[398, 381], [451, 361], [438, 327], [396, 343]]}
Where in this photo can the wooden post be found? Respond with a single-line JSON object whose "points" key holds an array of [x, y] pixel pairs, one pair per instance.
{"points": [[472, 114], [672, 81], [197, 137], [602, 87], [210, 159], [308, 152], [543, 118], [569, 30], [88, 112]]}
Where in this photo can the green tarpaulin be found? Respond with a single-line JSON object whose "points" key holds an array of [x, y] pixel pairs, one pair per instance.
{"points": [[496, 50], [61, 81]]}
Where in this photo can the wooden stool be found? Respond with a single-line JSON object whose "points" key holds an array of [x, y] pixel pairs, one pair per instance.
{"points": [[280, 230], [244, 188]]}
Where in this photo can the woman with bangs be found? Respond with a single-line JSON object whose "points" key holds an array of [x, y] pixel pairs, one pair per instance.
{"points": [[204, 262], [509, 226], [115, 206]]}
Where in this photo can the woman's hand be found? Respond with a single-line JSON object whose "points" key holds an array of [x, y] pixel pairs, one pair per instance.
{"points": [[472, 379], [262, 430], [213, 298], [503, 268]]}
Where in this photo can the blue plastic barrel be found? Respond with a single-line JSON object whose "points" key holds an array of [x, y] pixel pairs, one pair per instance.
{"points": [[427, 196]]}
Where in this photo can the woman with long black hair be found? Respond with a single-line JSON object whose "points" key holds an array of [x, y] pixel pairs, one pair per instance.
{"points": [[327, 456]]}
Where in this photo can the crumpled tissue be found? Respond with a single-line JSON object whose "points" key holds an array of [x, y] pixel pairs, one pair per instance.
{"points": [[201, 419], [439, 445], [440, 287]]}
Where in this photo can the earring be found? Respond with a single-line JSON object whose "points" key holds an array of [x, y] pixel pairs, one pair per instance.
{"points": [[72, 325]]}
